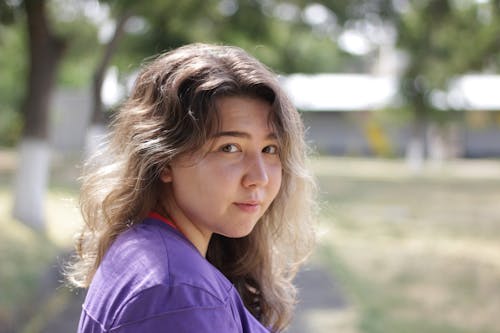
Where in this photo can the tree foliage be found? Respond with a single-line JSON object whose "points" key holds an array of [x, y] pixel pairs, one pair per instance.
{"points": [[442, 38], [12, 70], [12, 87], [445, 39], [284, 43]]}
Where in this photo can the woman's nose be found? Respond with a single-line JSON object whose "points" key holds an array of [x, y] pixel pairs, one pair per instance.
{"points": [[256, 173]]}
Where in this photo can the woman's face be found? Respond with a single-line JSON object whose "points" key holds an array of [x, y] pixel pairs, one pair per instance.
{"points": [[227, 186]]}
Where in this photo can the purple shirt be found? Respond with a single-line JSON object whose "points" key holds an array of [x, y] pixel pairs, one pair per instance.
{"points": [[152, 279]]}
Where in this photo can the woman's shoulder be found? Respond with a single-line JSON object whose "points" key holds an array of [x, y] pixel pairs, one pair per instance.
{"points": [[178, 260], [157, 254], [152, 263]]}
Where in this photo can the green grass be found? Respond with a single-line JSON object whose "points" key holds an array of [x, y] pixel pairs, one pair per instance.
{"points": [[25, 254], [414, 253]]}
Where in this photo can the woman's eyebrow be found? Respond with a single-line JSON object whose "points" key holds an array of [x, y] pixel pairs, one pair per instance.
{"points": [[240, 134]]}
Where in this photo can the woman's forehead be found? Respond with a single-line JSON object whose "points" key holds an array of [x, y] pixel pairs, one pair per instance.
{"points": [[244, 112]]}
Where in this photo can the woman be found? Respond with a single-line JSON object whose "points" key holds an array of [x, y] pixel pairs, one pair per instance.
{"points": [[198, 210]]}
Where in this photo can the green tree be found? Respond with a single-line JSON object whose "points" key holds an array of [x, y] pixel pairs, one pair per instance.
{"points": [[30, 75], [44, 54], [442, 39]]}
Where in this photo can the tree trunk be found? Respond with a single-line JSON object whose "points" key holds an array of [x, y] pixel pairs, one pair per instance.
{"points": [[97, 128], [45, 52], [438, 144], [415, 151]]}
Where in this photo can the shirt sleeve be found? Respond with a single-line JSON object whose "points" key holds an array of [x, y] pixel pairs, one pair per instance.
{"points": [[179, 309], [88, 324], [184, 321]]}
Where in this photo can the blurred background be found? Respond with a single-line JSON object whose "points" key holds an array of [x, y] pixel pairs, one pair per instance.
{"points": [[401, 101]]}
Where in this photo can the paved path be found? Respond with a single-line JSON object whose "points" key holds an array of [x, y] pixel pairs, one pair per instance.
{"points": [[57, 309], [318, 292]]}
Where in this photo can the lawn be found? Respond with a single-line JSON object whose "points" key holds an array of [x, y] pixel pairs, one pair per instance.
{"points": [[412, 253]]}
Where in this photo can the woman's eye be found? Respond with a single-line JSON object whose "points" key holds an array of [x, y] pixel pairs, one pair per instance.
{"points": [[229, 148], [271, 150]]}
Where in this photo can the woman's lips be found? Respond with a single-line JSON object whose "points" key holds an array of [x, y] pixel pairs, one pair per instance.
{"points": [[249, 207]]}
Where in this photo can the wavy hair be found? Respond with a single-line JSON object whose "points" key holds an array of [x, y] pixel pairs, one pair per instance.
{"points": [[170, 112]]}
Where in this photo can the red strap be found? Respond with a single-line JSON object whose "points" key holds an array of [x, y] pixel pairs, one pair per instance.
{"points": [[157, 216]]}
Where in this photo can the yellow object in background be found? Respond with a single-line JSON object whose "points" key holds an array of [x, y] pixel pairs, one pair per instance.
{"points": [[377, 139]]}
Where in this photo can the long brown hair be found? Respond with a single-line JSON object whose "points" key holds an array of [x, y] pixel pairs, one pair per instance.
{"points": [[170, 112]]}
